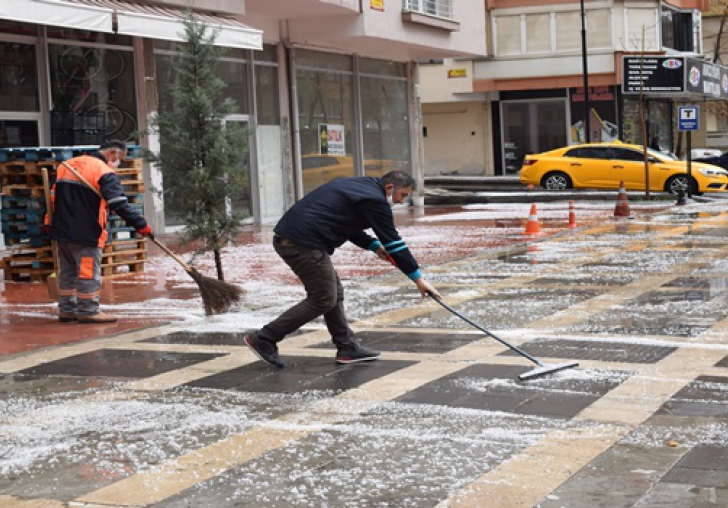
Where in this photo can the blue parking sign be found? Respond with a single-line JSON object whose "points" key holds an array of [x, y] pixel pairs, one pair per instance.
{"points": [[688, 118]]}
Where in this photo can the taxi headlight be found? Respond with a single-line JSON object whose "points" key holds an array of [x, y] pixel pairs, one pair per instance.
{"points": [[711, 172]]}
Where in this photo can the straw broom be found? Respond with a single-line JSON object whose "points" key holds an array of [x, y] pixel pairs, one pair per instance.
{"points": [[218, 296]]}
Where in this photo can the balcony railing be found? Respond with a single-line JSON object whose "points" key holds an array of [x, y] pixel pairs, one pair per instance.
{"points": [[439, 8]]}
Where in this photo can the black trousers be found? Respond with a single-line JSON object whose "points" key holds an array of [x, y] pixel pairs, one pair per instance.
{"points": [[324, 295]]}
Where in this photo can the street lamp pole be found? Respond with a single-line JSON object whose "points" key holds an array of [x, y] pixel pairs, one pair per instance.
{"points": [[587, 108]]}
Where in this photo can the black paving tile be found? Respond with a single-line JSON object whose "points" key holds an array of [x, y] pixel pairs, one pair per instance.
{"points": [[411, 342], [699, 477], [302, 374], [714, 284], [586, 280], [594, 350], [207, 338], [723, 362], [705, 396], [495, 388], [711, 458], [119, 363], [708, 231]]}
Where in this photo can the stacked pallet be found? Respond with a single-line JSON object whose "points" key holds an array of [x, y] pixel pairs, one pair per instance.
{"points": [[24, 207], [126, 250]]}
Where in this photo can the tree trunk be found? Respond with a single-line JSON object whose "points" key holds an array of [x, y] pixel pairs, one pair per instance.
{"points": [[218, 263]]}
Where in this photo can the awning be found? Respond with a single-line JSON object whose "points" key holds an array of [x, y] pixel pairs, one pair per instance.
{"points": [[138, 20], [57, 13]]}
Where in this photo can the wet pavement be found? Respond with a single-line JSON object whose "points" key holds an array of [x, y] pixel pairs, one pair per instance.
{"points": [[168, 408]]}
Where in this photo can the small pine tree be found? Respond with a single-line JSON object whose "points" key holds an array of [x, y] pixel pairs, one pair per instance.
{"points": [[201, 157]]}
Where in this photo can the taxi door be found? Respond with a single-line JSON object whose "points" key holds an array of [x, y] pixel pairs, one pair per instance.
{"points": [[589, 166], [629, 166]]}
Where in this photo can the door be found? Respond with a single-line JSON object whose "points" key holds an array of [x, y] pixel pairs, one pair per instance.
{"points": [[629, 166], [239, 200], [589, 166]]}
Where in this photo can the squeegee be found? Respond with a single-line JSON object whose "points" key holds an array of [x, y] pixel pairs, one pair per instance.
{"points": [[541, 370]]}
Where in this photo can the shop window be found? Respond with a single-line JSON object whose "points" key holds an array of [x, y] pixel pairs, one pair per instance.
{"points": [[17, 133], [18, 77], [385, 125], [93, 94], [532, 127], [326, 118], [266, 94], [232, 70]]}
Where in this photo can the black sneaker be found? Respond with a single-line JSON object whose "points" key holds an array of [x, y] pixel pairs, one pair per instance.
{"points": [[265, 350], [357, 353]]}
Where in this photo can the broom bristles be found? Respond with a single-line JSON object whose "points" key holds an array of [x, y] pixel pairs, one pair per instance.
{"points": [[218, 296]]}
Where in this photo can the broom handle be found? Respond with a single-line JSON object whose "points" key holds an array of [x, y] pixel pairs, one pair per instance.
{"points": [[174, 256], [159, 244]]}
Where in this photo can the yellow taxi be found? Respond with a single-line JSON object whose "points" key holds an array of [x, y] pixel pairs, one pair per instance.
{"points": [[321, 168], [605, 165]]}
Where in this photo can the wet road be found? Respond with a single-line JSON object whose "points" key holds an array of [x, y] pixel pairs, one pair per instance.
{"points": [[182, 415]]}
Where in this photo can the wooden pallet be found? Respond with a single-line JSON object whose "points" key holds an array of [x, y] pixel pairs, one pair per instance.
{"points": [[23, 191], [21, 215], [122, 268], [137, 164], [23, 203], [26, 273]]}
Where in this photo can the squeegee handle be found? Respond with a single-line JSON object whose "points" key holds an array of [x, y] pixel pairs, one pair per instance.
{"points": [[476, 325]]}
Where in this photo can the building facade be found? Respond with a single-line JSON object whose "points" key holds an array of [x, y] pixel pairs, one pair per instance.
{"points": [[326, 88], [529, 90]]}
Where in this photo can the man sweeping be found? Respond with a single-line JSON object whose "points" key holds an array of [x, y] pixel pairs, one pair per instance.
{"points": [[79, 228], [306, 237]]}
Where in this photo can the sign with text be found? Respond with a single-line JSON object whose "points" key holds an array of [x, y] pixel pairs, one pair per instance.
{"points": [[457, 73], [653, 74], [332, 139], [705, 78], [377, 5], [688, 118]]}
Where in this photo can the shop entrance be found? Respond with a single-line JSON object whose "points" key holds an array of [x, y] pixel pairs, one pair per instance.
{"points": [[531, 127]]}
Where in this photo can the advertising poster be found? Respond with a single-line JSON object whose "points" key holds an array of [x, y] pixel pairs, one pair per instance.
{"points": [[602, 115], [332, 139]]}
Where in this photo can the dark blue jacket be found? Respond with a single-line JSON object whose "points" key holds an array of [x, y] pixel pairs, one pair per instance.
{"points": [[341, 210]]}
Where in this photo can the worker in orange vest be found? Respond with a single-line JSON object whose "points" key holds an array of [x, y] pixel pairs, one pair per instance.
{"points": [[79, 228]]}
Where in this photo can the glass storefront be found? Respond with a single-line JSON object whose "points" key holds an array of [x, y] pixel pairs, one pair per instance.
{"points": [[329, 129], [19, 95], [93, 95], [232, 69], [325, 86], [385, 117], [658, 122], [532, 126]]}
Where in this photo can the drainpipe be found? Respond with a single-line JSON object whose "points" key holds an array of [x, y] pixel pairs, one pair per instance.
{"points": [[295, 126]]}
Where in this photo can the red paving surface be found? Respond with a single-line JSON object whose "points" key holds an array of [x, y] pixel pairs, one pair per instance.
{"points": [[28, 321]]}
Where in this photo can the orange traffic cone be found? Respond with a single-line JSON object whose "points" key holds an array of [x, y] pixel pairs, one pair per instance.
{"points": [[532, 227], [572, 215], [622, 208]]}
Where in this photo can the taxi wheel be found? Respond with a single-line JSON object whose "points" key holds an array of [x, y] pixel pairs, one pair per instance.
{"points": [[556, 180], [674, 183]]}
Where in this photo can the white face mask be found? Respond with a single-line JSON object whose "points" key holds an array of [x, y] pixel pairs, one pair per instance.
{"points": [[114, 164], [390, 200]]}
